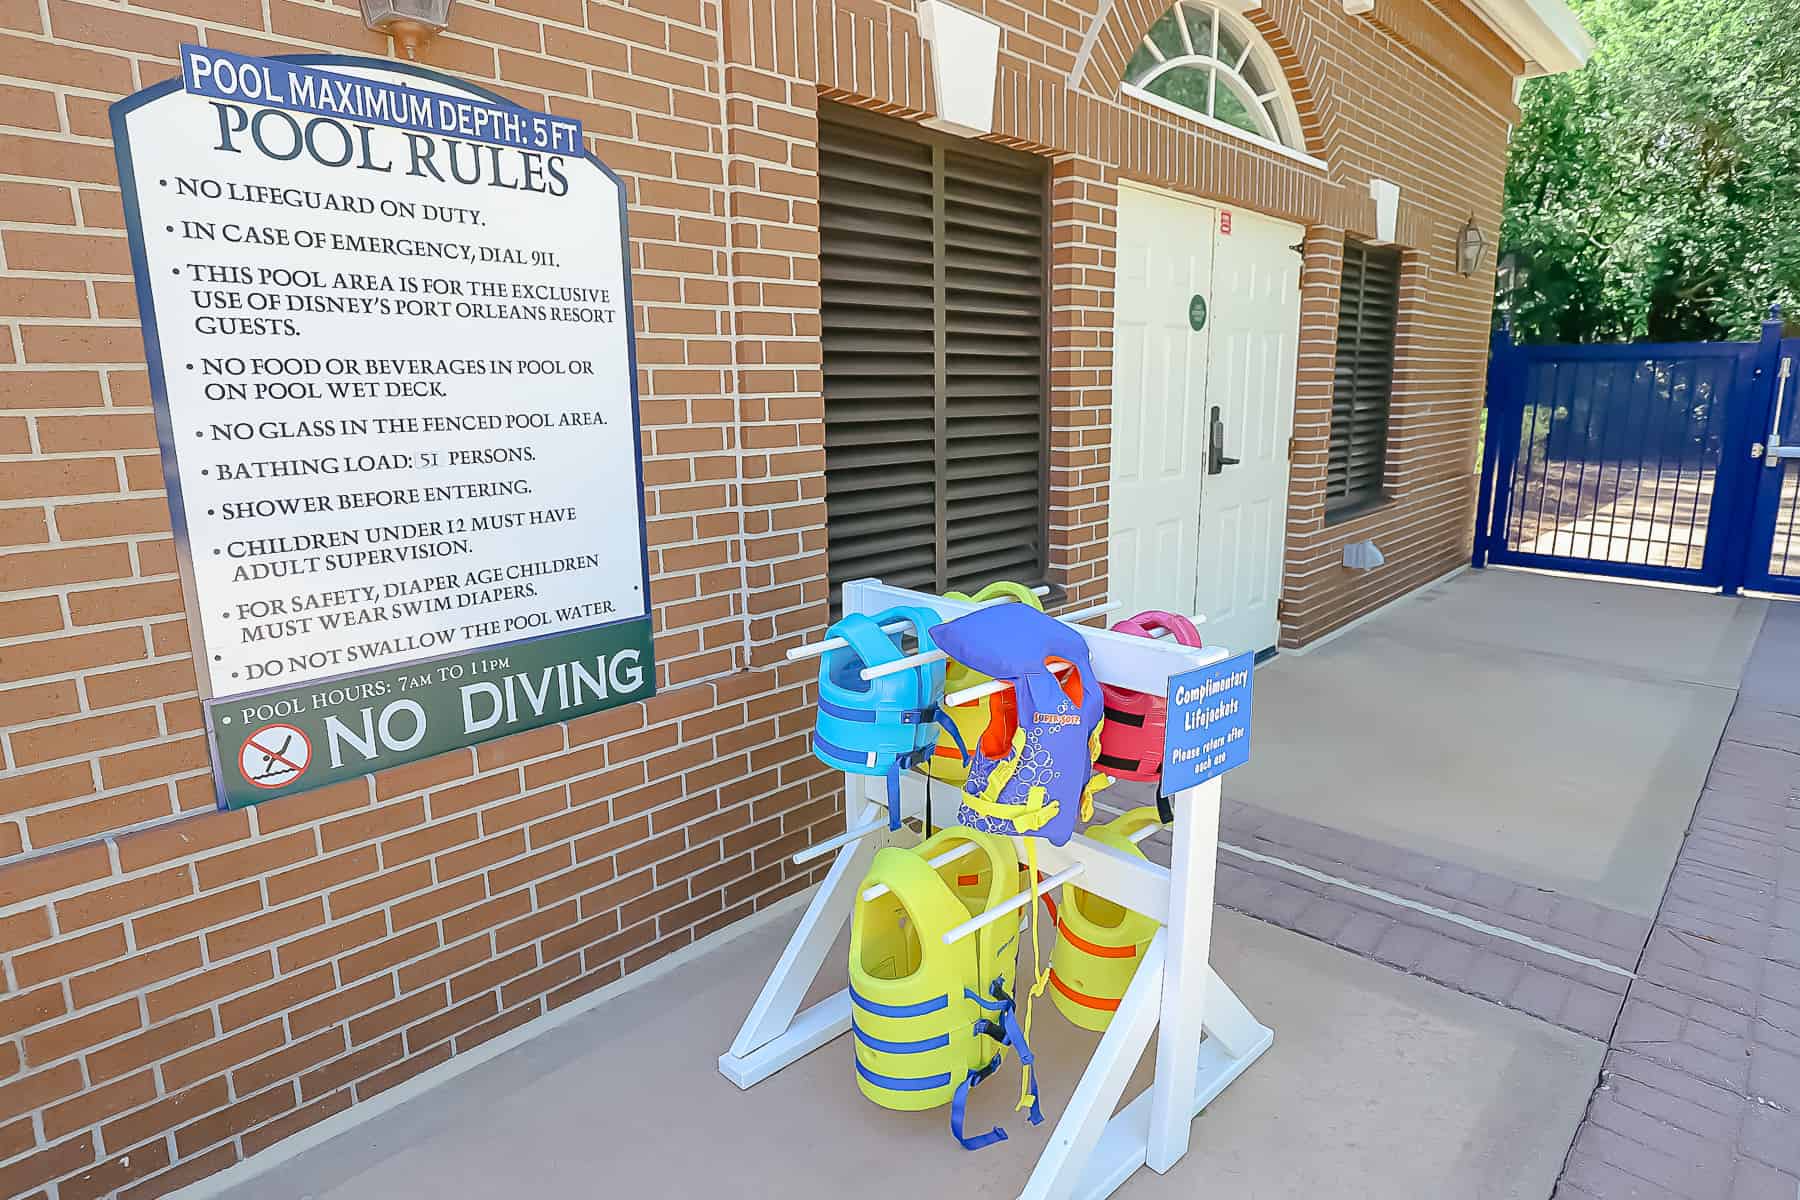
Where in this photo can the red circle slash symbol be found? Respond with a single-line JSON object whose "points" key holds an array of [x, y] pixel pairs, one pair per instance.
{"points": [[274, 756]]}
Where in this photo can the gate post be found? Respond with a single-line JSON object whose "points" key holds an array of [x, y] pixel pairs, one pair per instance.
{"points": [[1500, 349], [1752, 423]]}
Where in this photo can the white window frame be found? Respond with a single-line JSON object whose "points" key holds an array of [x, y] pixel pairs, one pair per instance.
{"points": [[1283, 133]]}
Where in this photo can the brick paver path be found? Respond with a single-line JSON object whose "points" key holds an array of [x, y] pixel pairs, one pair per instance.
{"points": [[1699, 1097]]}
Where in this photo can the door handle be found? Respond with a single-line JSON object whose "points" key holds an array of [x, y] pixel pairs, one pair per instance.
{"points": [[1216, 459]]}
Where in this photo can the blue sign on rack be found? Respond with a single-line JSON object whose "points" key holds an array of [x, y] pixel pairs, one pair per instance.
{"points": [[1209, 723]]}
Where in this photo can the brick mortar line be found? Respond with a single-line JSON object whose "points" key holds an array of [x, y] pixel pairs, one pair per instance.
{"points": [[141, 995], [110, 837]]}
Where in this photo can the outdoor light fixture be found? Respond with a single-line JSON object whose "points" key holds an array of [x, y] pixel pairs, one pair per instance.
{"points": [[1471, 243], [409, 22]]}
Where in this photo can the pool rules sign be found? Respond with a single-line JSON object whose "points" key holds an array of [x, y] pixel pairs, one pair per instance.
{"points": [[388, 321]]}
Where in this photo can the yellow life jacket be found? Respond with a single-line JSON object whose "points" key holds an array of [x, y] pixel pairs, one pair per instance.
{"points": [[929, 1021], [1099, 944], [989, 721]]}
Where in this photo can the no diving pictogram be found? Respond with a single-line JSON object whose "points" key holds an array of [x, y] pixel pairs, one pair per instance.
{"points": [[274, 756]]}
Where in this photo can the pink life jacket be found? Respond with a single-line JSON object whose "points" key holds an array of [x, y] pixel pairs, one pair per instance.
{"points": [[1131, 740]]}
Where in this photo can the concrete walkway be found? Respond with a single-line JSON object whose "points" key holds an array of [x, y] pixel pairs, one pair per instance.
{"points": [[1547, 730], [1378, 1084]]}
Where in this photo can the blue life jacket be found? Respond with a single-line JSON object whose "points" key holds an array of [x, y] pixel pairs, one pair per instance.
{"points": [[879, 726], [1047, 776]]}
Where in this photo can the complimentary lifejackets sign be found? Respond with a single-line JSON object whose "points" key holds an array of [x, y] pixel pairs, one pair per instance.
{"points": [[1208, 731], [388, 322]]}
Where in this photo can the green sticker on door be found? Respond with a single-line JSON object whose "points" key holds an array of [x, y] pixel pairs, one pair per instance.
{"points": [[1197, 312]]}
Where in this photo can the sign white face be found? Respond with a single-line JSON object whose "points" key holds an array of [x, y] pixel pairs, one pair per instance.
{"points": [[397, 382], [389, 326]]}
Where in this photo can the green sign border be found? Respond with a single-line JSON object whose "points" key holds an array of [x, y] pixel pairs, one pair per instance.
{"points": [[359, 724]]}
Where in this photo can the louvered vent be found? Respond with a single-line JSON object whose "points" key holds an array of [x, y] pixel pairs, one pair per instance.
{"points": [[932, 272], [1364, 381]]}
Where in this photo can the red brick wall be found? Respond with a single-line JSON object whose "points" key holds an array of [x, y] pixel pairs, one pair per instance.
{"points": [[185, 987]]}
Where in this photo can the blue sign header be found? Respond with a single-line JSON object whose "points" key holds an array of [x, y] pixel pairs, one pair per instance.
{"points": [[222, 75], [1208, 732]]}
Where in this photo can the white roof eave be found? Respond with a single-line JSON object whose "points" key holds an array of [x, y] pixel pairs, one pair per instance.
{"points": [[1546, 32]]}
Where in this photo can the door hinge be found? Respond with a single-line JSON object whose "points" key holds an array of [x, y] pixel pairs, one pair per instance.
{"points": [[1292, 443], [1282, 609]]}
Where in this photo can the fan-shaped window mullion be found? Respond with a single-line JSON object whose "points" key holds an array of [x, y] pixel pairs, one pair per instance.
{"points": [[1241, 91]]}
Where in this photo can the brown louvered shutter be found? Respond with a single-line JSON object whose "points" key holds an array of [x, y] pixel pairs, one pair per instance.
{"points": [[1364, 382], [933, 297]]}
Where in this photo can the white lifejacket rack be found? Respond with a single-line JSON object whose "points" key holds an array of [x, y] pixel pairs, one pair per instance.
{"points": [[1208, 1038]]}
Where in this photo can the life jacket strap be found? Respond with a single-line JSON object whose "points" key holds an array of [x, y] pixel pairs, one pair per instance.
{"points": [[949, 726], [1096, 784], [1082, 998], [959, 1105], [887, 1047], [1034, 814], [906, 762], [1005, 1029], [1015, 1037], [871, 716], [896, 1083], [843, 753], [1094, 948], [893, 782]]}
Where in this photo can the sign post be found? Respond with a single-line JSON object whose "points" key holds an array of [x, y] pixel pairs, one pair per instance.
{"points": [[389, 330]]}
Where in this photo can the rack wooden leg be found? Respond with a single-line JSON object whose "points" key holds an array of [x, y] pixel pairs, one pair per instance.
{"points": [[1072, 1164], [1184, 999], [771, 1037]]}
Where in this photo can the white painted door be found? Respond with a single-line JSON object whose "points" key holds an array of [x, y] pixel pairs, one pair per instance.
{"points": [[1182, 539], [1159, 398], [1255, 325]]}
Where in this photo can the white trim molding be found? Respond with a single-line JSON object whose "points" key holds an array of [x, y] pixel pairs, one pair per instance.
{"points": [[965, 62], [1387, 209], [1546, 33]]}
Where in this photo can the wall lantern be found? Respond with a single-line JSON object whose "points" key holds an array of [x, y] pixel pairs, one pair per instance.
{"points": [[1471, 243], [409, 22]]}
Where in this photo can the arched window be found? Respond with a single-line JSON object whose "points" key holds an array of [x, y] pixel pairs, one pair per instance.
{"points": [[1210, 63]]}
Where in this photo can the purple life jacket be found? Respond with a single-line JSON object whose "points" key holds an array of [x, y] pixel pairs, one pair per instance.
{"points": [[1046, 778]]}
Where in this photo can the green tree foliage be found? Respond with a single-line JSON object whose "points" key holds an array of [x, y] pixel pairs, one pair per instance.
{"points": [[1655, 194]]}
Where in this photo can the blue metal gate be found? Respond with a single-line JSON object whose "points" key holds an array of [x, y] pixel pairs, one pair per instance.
{"points": [[1663, 462]]}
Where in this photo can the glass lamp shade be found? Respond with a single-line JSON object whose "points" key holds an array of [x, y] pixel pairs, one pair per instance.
{"points": [[1471, 244]]}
